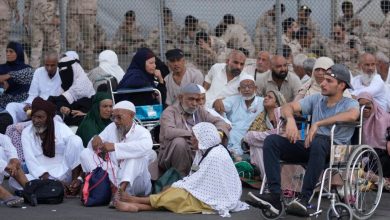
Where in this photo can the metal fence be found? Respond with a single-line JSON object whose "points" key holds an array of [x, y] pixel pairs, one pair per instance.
{"points": [[90, 26]]}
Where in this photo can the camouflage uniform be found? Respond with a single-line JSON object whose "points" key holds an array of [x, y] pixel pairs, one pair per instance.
{"points": [[265, 34], [312, 25], [348, 24], [341, 52], [44, 28], [186, 38], [100, 39], [7, 7], [236, 36], [81, 28], [317, 48], [127, 38], [379, 40], [204, 59], [171, 31]]}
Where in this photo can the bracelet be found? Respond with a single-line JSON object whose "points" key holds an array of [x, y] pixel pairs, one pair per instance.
{"points": [[81, 179]]}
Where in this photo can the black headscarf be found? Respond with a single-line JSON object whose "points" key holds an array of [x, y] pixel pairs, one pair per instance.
{"points": [[66, 72], [17, 64], [48, 143]]}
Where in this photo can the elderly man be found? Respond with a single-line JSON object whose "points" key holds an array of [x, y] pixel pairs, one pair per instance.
{"points": [[279, 79], [129, 148], [383, 66], [223, 79], [370, 81], [298, 67], [46, 82], [180, 75], [241, 110], [9, 163], [176, 123], [51, 149], [263, 65], [326, 109]]}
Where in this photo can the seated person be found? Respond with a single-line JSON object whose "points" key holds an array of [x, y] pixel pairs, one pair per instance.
{"points": [[265, 124], [212, 186], [9, 163], [378, 120], [108, 67], [241, 110], [141, 73], [51, 149], [46, 82], [97, 118], [326, 109], [176, 122], [15, 76], [187, 34], [77, 90], [129, 148]]}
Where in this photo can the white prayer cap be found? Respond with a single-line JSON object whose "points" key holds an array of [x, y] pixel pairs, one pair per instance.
{"points": [[191, 88], [72, 54], [246, 76], [124, 105], [202, 90]]}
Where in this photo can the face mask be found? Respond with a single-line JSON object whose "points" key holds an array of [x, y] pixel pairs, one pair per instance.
{"points": [[281, 75]]}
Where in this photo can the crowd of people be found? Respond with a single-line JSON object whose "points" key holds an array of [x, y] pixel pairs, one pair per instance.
{"points": [[57, 119]]}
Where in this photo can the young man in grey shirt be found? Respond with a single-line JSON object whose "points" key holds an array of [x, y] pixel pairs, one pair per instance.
{"points": [[326, 109]]}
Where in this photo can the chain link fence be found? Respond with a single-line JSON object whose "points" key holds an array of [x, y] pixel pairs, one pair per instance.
{"points": [[205, 30]]}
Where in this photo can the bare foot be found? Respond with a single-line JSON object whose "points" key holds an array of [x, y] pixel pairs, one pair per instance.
{"points": [[126, 207], [125, 197]]}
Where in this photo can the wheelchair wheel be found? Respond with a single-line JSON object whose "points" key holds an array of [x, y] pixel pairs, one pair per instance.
{"points": [[267, 214], [343, 212], [364, 182]]}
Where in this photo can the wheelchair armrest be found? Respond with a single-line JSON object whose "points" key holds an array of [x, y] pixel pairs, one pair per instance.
{"points": [[348, 124], [140, 90]]}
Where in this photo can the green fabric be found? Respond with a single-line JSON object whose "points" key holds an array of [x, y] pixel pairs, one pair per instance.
{"points": [[93, 124], [170, 176], [244, 169]]}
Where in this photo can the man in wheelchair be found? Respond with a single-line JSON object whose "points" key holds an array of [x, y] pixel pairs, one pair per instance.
{"points": [[326, 109]]}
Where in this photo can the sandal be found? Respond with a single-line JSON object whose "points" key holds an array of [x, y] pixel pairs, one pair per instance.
{"points": [[13, 201]]}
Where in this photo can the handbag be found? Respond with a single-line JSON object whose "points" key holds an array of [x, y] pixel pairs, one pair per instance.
{"points": [[97, 187], [43, 192]]}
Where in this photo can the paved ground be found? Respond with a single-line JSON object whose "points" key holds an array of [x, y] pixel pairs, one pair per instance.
{"points": [[71, 209]]}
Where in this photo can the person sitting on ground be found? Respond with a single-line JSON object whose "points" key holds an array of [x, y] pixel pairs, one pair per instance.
{"points": [[75, 100], [212, 186], [326, 109], [241, 110], [46, 82], [9, 163], [108, 67], [51, 149], [97, 118], [129, 148], [142, 73], [265, 124], [378, 120], [15, 76], [175, 134]]}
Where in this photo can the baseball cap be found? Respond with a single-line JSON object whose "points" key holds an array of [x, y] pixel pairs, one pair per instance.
{"points": [[306, 9], [174, 54], [340, 72]]}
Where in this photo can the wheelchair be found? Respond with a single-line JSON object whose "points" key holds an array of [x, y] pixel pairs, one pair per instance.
{"points": [[359, 168]]}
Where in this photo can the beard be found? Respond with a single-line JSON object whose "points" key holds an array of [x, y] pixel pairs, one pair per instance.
{"points": [[235, 72], [246, 98], [367, 78], [280, 75], [39, 129], [189, 110], [122, 130]]}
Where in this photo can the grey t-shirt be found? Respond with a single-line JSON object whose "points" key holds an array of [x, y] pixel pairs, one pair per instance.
{"points": [[315, 105]]}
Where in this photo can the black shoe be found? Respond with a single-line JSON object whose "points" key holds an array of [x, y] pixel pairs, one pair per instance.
{"points": [[269, 201], [300, 206]]}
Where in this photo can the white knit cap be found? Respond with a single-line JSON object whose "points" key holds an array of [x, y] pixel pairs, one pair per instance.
{"points": [[124, 105], [201, 88], [246, 76], [323, 63]]}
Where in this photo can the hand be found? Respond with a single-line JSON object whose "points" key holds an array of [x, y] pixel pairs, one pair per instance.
{"points": [[108, 147], [45, 176], [76, 113], [27, 107], [204, 45], [96, 143], [292, 133], [65, 110], [157, 74], [310, 136], [12, 167], [218, 106]]}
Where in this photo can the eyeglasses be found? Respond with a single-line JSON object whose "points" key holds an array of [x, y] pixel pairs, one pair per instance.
{"points": [[247, 86], [117, 117]]}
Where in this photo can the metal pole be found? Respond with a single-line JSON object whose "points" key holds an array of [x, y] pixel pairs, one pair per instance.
{"points": [[162, 28], [63, 11], [299, 3], [333, 13], [278, 23]]}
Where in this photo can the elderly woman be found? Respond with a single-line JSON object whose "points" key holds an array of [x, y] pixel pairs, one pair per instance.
{"points": [[212, 186], [15, 76], [266, 123], [108, 67], [97, 118], [378, 120]]}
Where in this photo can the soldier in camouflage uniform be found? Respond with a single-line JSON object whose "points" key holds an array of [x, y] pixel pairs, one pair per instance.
{"points": [[304, 20], [44, 27], [128, 36], [265, 32], [345, 48], [353, 24], [7, 9], [81, 29], [379, 39], [309, 45], [171, 31]]}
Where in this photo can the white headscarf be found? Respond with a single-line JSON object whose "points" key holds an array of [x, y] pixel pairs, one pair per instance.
{"points": [[216, 183], [108, 61]]}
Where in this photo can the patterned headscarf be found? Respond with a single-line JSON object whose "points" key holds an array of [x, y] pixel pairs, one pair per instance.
{"points": [[207, 135]]}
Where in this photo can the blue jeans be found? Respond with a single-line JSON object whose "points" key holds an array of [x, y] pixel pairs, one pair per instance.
{"points": [[278, 148]]}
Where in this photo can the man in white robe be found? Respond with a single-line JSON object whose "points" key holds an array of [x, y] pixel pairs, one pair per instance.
{"points": [[129, 148], [51, 149], [46, 82]]}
